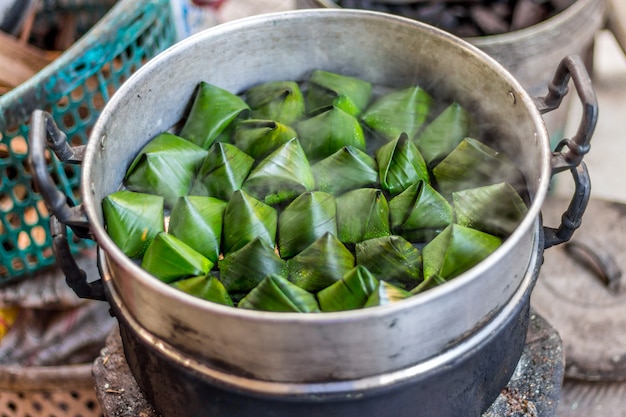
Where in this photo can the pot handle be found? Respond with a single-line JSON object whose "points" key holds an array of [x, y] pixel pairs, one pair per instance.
{"points": [[63, 212], [569, 153]]}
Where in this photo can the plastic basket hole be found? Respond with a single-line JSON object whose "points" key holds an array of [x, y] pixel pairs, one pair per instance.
{"points": [[14, 220], [30, 216], [17, 264], [19, 145], [41, 208], [97, 101], [68, 120], [20, 193], [117, 64], [6, 202], [8, 245], [38, 234], [70, 172], [47, 253], [76, 140], [84, 113], [78, 94], [11, 173], [4, 151], [32, 260], [23, 241]]}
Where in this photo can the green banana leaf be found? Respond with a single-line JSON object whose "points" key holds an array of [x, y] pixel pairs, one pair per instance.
{"points": [[362, 214], [281, 101], [133, 220], [495, 209], [244, 269], [246, 219], [197, 221], [455, 250], [419, 213], [275, 293], [282, 176], [400, 165], [386, 293], [165, 166], [206, 287], [304, 220], [325, 88], [222, 172], [259, 138], [170, 259], [328, 130], [212, 112], [349, 293], [321, 264], [397, 112], [345, 170], [473, 164], [392, 259], [443, 134]]}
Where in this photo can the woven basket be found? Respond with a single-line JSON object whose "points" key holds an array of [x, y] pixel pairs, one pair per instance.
{"points": [[60, 391], [74, 89]]}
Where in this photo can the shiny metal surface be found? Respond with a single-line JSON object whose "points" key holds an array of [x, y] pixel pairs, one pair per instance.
{"points": [[333, 346]]}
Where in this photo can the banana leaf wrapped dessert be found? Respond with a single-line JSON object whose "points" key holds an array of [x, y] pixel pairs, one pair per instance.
{"points": [[496, 209], [166, 166], [325, 88], [386, 293], [259, 138], [315, 196], [282, 175], [398, 112], [373, 220], [350, 292], [197, 221], [213, 111], [419, 213], [281, 101], [170, 259], [345, 170], [474, 164], [307, 218], [321, 264], [206, 287], [391, 258], [328, 130], [400, 164], [246, 219], [222, 171], [455, 250], [133, 220], [244, 269], [443, 134], [275, 293]]}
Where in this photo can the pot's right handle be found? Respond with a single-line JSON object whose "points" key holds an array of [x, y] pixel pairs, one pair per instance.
{"points": [[569, 153]]}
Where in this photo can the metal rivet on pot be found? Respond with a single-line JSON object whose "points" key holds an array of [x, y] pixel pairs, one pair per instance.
{"points": [[512, 97]]}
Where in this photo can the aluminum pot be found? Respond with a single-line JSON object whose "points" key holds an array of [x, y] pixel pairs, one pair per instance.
{"points": [[385, 50]]}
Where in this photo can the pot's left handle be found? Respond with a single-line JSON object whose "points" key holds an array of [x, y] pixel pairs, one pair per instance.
{"points": [[63, 213]]}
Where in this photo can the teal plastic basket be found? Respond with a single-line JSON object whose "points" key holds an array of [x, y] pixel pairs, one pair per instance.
{"points": [[74, 89]]}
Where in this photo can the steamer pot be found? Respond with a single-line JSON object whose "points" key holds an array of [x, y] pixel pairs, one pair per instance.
{"points": [[294, 349]]}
